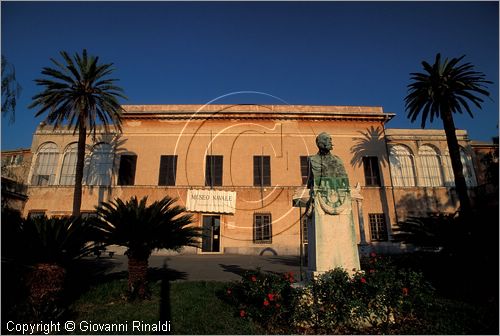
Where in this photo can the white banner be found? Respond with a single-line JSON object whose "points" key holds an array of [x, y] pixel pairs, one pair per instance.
{"points": [[215, 201]]}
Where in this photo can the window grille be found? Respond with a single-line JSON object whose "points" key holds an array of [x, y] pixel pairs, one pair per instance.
{"points": [[378, 227], [262, 228]]}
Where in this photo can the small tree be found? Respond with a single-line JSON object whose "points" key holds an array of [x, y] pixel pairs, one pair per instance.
{"points": [[48, 246], [142, 229]]}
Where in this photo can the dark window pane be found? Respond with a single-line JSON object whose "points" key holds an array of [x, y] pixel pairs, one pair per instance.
{"points": [[126, 173], [213, 170], [304, 169], [378, 227], [261, 170], [372, 173], [262, 228], [168, 170]]}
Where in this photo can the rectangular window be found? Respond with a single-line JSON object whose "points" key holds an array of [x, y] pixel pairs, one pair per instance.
{"points": [[372, 173], [36, 214], [262, 170], [304, 169], [126, 173], [305, 222], [213, 170], [378, 227], [262, 228], [168, 170]]}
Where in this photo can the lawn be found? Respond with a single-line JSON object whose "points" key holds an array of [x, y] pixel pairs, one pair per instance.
{"points": [[191, 307]]}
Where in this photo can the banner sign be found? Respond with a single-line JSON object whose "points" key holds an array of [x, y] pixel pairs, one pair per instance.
{"points": [[215, 201]]}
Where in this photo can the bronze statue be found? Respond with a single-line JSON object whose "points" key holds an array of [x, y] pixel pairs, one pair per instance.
{"points": [[327, 177]]}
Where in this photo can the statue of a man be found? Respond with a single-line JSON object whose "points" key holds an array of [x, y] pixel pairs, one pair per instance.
{"points": [[327, 175]]}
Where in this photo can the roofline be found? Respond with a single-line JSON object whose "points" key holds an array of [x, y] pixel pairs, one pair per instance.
{"points": [[255, 111]]}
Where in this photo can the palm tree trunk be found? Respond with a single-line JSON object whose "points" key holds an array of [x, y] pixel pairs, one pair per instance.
{"points": [[46, 283], [137, 277], [456, 162], [77, 195]]}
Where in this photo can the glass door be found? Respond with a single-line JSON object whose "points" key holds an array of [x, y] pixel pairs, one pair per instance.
{"points": [[211, 234]]}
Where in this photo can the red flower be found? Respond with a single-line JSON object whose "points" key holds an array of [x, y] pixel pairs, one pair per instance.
{"points": [[363, 280], [271, 296], [266, 303], [373, 254], [278, 305], [253, 278], [405, 291], [372, 271], [229, 291], [242, 313]]}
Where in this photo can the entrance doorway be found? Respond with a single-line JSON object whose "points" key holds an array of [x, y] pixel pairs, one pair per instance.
{"points": [[211, 234]]}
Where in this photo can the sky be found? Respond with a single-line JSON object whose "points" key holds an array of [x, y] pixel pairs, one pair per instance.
{"points": [[299, 53]]}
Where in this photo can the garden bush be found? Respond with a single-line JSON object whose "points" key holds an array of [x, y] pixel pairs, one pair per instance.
{"points": [[380, 299]]}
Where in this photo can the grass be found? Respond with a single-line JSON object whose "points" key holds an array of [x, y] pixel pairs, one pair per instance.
{"points": [[191, 308]]}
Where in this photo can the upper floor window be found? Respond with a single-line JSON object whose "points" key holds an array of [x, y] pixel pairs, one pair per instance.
{"points": [[168, 170], [44, 172], [126, 172], [372, 172], [213, 170], [431, 167], [304, 169], [261, 170], [100, 167], [68, 169], [402, 168]]}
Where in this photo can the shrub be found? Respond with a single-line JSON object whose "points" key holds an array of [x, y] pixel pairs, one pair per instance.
{"points": [[381, 299], [265, 298]]}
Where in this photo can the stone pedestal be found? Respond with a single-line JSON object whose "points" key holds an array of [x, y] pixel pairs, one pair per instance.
{"points": [[332, 241]]}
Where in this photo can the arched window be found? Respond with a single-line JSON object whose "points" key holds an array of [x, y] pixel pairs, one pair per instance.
{"points": [[68, 169], [44, 172], [402, 168], [100, 165], [468, 169], [431, 168]]}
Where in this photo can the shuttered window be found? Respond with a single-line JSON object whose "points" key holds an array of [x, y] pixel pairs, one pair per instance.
{"points": [[168, 170], [261, 170], [213, 170], [126, 173]]}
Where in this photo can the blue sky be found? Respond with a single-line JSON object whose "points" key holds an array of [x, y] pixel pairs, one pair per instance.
{"points": [[319, 53]]}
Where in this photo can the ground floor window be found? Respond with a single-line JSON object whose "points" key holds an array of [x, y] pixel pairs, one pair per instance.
{"points": [[262, 228], [378, 227]]}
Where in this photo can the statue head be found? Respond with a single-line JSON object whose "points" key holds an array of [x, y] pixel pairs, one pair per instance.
{"points": [[324, 143]]}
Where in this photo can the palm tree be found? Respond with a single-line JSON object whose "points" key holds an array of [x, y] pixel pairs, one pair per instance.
{"points": [[142, 229], [80, 93], [10, 89], [49, 245], [444, 89]]}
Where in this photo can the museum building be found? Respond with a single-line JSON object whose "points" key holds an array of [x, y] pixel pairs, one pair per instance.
{"points": [[242, 170]]}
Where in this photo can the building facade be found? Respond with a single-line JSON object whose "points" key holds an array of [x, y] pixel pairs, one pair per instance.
{"points": [[238, 169]]}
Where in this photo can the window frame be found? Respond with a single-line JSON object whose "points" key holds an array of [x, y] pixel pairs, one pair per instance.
{"points": [[371, 171], [259, 234], [304, 169], [129, 179], [261, 167], [214, 171], [379, 231], [168, 163]]}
